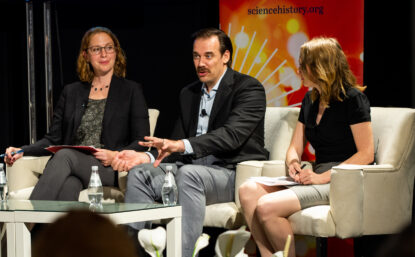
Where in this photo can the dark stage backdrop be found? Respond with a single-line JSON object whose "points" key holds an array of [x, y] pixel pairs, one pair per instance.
{"points": [[155, 35]]}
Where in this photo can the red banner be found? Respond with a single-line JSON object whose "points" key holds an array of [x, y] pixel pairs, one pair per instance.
{"points": [[267, 35]]}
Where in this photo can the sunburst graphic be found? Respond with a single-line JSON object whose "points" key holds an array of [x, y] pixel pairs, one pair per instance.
{"points": [[277, 73], [273, 62]]}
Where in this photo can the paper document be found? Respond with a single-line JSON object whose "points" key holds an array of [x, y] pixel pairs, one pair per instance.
{"points": [[87, 149], [274, 181]]}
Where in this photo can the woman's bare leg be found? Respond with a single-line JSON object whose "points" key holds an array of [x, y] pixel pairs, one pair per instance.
{"points": [[272, 212], [249, 194]]}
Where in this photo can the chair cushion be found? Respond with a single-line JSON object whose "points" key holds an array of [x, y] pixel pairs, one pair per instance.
{"points": [[223, 215], [21, 194], [313, 221], [278, 129]]}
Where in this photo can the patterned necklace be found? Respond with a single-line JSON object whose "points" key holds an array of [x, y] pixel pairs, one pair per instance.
{"points": [[96, 88]]}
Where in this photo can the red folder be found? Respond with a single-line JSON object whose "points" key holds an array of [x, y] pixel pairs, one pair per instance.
{"points": [[82, 148]]}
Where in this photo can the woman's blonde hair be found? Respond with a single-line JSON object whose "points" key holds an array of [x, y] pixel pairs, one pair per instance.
{"points": [[84, 68], [323, 61]]}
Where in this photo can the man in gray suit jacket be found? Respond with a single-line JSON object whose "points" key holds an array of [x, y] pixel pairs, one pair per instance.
{"points": [[221, 123]]}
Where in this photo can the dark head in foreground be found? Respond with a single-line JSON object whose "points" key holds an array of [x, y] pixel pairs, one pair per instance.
{"points": [[82, 233]]}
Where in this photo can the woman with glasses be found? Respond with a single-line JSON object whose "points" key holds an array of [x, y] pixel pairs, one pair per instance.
{"points": [[335, 119], [103, 110]]}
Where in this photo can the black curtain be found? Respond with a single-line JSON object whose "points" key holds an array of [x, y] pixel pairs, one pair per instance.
{"points": [[13, 75], [388, 39], [155, 35]]}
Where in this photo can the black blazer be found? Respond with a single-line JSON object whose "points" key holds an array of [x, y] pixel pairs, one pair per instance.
{"points": [[236, 123], [125, 120]]}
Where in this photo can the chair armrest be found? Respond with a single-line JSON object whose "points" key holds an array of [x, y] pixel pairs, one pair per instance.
{"points": [[244, 170], [247, 169], [122, 180], [25, 172], [369, 199], [275, 168]]}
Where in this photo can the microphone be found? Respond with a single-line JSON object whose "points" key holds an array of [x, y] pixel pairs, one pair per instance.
{"points": [[204, 113]]}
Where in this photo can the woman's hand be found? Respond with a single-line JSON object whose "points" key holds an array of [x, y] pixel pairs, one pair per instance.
{"points": [[293, 170], [127, 159], [105, 156], [12, 158], [308, 177]]}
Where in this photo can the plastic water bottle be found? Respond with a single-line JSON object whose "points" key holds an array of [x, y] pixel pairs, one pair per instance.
{"points": [[169, 189], [3, 183], [95, 191]]}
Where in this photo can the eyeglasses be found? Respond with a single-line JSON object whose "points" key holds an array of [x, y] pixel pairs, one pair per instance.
{"points": [[95, 50]]}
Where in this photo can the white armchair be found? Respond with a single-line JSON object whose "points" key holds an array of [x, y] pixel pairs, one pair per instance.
{"points": [[364, 199], [23, 175]]}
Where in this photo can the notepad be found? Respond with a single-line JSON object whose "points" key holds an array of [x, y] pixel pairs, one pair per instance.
{"points": [[274, 181], [82, 148]]}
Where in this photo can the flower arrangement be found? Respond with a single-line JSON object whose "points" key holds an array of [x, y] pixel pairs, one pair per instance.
{"points": [[231, 243], [154, 241]]}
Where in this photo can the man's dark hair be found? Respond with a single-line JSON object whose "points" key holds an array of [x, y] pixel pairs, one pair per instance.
{"points": [[224, 41]]}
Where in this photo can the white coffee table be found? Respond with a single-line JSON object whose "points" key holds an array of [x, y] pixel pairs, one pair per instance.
{"points": [[16, 212]]}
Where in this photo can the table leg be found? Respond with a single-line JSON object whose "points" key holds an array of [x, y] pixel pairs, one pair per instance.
{"points": [[174, 237], [2, 237], [23, 241], [11, 239]]}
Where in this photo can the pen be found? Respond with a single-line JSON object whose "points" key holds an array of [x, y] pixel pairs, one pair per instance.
{"points": [[302, 167], [13, 153]]}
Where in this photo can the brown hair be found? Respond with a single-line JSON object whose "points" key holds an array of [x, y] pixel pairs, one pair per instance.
{"points": [[85, 70], [328, 68], [83, 233]]}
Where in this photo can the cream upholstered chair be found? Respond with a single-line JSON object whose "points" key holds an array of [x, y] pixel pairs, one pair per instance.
{"points": [[364, 199], [23, 175]]}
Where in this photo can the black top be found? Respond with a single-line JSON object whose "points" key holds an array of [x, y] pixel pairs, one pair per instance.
{"points": [[332, 138]]}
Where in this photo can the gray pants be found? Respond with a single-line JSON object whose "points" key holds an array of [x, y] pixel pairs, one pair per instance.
{"points": [[67, 173], [198, 186]]}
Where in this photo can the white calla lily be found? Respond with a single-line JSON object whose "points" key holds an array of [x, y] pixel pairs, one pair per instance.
{"points": [[153, 241], [201, 243], [232, 243], [278, 254]]}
